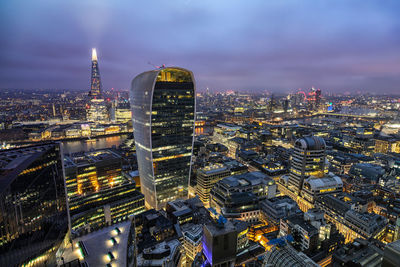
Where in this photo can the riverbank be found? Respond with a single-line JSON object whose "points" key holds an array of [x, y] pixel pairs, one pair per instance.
{"points": [[27, 142]]}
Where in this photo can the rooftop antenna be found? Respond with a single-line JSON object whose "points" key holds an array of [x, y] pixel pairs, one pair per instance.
{"points": [[157, 67]]}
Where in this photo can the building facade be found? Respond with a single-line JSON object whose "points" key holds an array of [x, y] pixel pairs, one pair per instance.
{"points": [[277, 208], [351, 222], [98, 194], [285, 255], [207, 177], [123, 113], [308, 159], [163, 115], [220, 244], [33, 209], [309, 177], [239, 196], [192, 237], [97, 111]]}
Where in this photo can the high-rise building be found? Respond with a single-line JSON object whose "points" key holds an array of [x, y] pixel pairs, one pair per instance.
{"points": [[98, 194], [318, 98], [33, 210], [95, 82], [163, 114], [308, 159], [96, 109], [309, 177]]}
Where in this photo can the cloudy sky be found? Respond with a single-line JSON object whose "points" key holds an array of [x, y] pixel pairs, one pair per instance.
{"points": [[335, 45]]}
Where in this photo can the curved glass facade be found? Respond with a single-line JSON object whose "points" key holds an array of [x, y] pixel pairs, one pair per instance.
{"points": [[163, 113], [33, 211]]}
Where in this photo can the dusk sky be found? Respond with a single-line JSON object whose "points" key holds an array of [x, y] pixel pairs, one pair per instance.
{"points": [[261, 45]]}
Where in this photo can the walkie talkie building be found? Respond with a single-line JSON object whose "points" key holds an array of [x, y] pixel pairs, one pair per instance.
{"points": [[163, 115]]}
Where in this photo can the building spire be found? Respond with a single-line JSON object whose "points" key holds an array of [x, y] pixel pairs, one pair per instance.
{"points": [[94, 54], [95, 82]]}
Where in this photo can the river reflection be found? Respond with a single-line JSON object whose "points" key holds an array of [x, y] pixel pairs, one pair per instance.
{"points": [[87, 145], [110, 141]]}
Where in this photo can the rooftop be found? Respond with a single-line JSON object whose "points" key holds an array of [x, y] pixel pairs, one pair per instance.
{"points": [[14, 161], [99, 243], [83, 158], [246, 179]]}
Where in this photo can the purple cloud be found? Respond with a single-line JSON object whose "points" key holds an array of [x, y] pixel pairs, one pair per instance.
{"points": [[253, 45]]}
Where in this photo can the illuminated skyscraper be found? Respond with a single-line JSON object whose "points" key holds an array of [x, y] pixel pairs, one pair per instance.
{"points": [[308, 159], [95, 82], [96, 109], [163, 113]]}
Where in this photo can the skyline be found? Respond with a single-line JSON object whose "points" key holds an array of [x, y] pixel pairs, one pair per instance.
{"points": [[258, 46]]}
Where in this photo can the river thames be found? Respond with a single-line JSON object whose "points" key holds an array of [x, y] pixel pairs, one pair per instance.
{"points": [[93, 144], [108, 142]]}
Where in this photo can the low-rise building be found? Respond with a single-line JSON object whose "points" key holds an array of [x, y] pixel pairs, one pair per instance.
{"points": [[285, 255], [239, 196], [277, 208], [166, 254], [358, 253], [206, 178], [349, 218]]}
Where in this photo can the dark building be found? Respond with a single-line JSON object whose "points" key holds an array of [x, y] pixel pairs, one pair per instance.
{"points": [[163, 111], [359, 253], [391, 254], [33, 211], [220, 243], [277, 208], [366, 173], [305, 235], [285, 255]]}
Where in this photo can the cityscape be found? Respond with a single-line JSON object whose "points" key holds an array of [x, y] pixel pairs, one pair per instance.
{"points": [[178, 168]]}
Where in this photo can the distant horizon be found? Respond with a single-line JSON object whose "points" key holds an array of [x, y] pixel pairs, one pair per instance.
{"points": [[221, 91], [342, 46]]}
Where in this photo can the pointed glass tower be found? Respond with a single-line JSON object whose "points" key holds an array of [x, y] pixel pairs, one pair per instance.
{"points": [[97, 108], [95, 83]]}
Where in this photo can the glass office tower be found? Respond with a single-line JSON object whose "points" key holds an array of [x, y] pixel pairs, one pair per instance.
{"points": [[33, 212], [163, 114]]}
